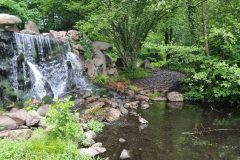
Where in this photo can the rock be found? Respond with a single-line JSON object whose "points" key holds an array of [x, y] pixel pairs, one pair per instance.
{"points": [[92, 99], [175, 97], [90, 68], [20, 116], [159, 99], [26, 31], [12, 28], [145, 106], [14, 110], [90, 135], [6, 123], [88, 142], [99, 144], [87, 94], [73, 34], [42, 111], [113, 114], [121, 140], [56, 34], [31, 26], [102, 46], [78, 47], [112, 72], [142, 97], [125, 154], [142, 120], [42, 123], [8, 20], [33, 118], [99, 60], [133, 105], [19, 134], [85, 126], [123, 110], [145, 64], [95, 104], [92, 151]]}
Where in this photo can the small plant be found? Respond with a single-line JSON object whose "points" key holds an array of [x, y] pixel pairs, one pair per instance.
{"points": [[29, 105], [95, 125], [133, 88], [101, 79], [154, 95], [63, 120], [94, 112]]}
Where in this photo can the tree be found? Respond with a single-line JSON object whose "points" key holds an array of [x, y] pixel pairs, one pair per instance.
{"points": [[126, 23], [204, 25]]}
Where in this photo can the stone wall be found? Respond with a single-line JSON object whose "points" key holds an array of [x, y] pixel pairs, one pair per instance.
{"points": [[7, 49]]}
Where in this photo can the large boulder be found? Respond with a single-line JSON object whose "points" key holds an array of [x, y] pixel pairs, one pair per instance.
{"points": [[175, 97], [58, 34], [31, 27], [42, 111], [20, 116], [73, 34], [99, 61], [102, 46], [33, 118], [19, 134], [7, 20], [6, 123], [90, 68]]}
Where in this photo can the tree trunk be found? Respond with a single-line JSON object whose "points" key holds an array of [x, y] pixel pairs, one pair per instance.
{"points": [[204, 25]]}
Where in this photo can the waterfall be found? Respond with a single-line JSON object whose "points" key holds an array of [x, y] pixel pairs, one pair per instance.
{"points": [[45, 66]]}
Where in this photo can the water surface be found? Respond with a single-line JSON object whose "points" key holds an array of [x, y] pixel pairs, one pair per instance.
{"points": [[163, 138]]}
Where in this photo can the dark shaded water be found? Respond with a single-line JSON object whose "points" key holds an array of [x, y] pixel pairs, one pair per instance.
{"points": [[162, 139]]}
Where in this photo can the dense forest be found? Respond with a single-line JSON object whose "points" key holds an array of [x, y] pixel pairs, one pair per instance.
{"points": [[200, 38], [156, 53]]}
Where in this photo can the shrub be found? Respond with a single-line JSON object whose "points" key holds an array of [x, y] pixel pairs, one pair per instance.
{"points": [[63, 120], [215, 81], [28, 105], [101, 79], [95, 125], [42, 145]]}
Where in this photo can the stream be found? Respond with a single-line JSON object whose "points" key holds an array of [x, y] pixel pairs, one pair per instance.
{"points": [[163, 138]]}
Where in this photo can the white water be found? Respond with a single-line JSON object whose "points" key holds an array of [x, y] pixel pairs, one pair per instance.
{"points": [[45, 62]]}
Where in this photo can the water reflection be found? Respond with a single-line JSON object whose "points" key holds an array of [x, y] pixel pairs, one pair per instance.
{"points": [[162, 139]]}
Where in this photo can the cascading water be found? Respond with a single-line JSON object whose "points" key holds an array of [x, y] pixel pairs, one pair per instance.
{"points": [[45, 66]]}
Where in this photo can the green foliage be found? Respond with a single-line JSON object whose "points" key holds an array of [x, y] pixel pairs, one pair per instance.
{"points": [[24, 9], [94, 112], [95, 125], [42, 145], [86, 44], [65, 123], [133, 88], [136, 73], [154, 95], [214, 81], [101, 79], [28, 105]]}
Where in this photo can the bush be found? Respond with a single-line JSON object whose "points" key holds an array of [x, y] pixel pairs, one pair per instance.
{"points": [[64, 122], [216, 81], [101, 79], [95, 125], [41, 146]]}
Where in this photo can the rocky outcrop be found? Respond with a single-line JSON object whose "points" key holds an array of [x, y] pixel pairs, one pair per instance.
{"points": [[175, 97], [73, 34], [102, 46], [33, 118], [20, 116], [9, 22], [6, 123], [30, 28], [19, 134]]}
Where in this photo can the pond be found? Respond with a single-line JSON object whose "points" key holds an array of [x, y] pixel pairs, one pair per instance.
{"points": [[165, 136]]}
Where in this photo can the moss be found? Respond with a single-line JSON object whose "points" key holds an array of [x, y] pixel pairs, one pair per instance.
{"points": [[94, 113]]}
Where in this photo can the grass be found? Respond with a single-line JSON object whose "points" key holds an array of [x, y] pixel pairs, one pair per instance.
{"points": [[95, 126], [41, 146], [154, 95]]}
